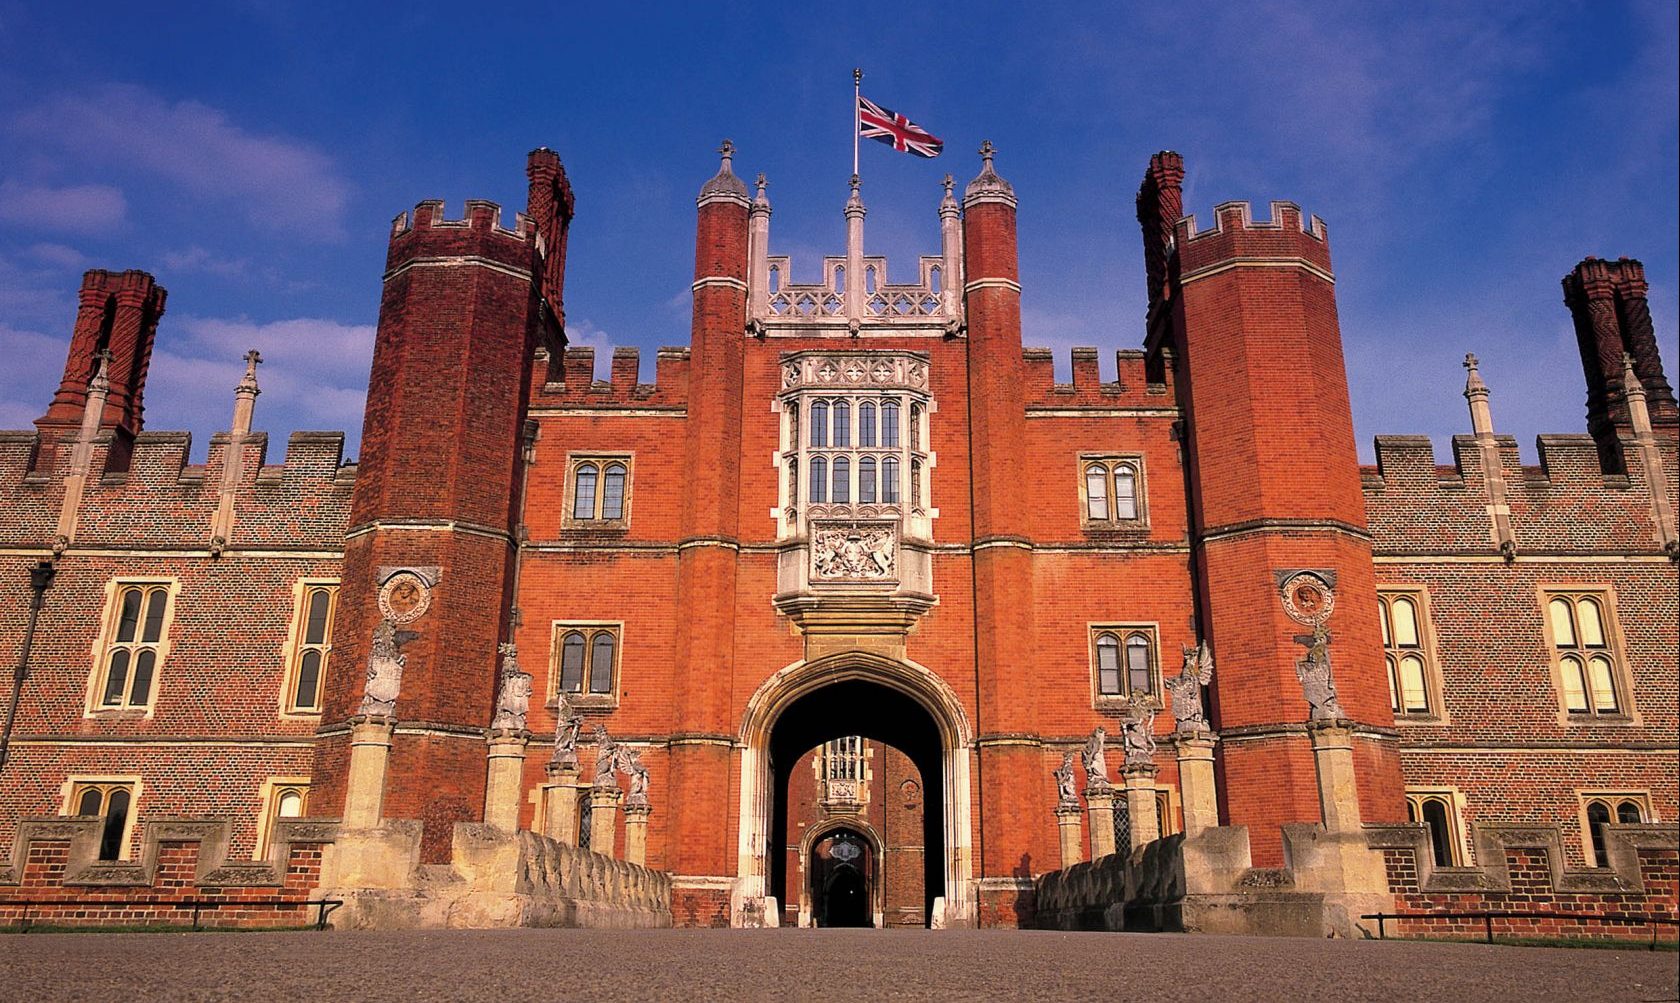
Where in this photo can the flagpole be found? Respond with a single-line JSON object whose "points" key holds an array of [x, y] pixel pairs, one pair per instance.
{"points": [[857, 123]]}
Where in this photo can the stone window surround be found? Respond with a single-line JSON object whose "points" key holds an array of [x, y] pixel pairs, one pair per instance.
{"points": [[291, 653], [1627, 713], [588, 628], [76, 783], [108, 624], [1610, 796], [568, 517], [1110, 461], [272, 789], [1433, 681], [1122, 630], [1459, 852]]}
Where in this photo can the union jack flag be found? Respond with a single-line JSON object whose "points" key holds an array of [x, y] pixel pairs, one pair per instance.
{"points": [[898, 132]]}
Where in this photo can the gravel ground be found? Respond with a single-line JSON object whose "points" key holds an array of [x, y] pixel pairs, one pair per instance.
{"points": [[695, 965]]}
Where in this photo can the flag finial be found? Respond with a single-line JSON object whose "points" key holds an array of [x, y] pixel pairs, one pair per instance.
{"points": [[857, 74]]}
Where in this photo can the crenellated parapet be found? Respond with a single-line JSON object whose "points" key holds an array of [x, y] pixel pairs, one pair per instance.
{"points": [[567, 379], [1130, 389], [426, 234], [1237, 238]]}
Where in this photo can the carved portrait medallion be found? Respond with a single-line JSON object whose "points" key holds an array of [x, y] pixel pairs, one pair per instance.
{"points": [[1308, 598], [404, 597]]}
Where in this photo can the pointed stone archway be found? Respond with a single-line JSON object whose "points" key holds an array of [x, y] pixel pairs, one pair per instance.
{"points": [[893, 701], [815, 885]]}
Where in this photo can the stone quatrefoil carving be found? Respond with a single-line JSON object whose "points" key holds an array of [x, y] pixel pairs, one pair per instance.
{"points": [[855, 371]]}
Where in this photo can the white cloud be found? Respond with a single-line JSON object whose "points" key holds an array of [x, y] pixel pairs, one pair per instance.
{"points": [[30, 375], [580, 333], [197, 259], [58, 255], [76, 209], [282, 183]]}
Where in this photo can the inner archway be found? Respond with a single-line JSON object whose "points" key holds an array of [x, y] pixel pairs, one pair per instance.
{"points": [[843, 875], [840, 711]]}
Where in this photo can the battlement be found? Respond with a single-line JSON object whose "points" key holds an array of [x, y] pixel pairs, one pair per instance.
{"points": [[1567, 503], [1237, 234], [1130, 388], [161, 500], [481, 215], [480, 234], [570, 381]]}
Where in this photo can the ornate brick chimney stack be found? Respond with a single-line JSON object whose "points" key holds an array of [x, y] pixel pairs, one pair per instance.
{"points": [[118, 313], [1612, 316]]}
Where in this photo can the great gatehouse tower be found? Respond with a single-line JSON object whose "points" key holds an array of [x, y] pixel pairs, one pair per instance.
{"points": [[824, 621]]}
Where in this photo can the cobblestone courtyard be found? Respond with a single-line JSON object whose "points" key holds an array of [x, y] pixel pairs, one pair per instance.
{"points": [[694, 965]]}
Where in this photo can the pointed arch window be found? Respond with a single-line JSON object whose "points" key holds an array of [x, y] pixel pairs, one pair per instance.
{"points": [[889, 480], [1591, 677], [842, 437], [889, 424], [866, 480], [819, 423], [311, 645], [841, 492], [137, 641], [819, 479], [1413, 680], [1124, 663], [866, 424], [112, 802], [1438, 811], [586, 661], [1604, 809], [583, 494], [1111, 488], [600, 495]]}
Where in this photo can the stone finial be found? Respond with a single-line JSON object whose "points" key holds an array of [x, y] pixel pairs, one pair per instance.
{"points": [[854, 201], [987, 186], [1631, 385], [101, 382], [1096, 764], [724, 184], [1473, 384], [761, 198], [248, 382]]}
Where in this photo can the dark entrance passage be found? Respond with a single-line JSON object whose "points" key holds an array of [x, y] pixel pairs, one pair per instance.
{"points": [[842, 869], [847, 892]]}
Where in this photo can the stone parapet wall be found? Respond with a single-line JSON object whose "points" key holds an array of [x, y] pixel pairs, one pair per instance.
{"points": [[54, 876]]}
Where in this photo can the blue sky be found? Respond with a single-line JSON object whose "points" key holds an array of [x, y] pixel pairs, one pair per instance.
{"points": [[1464, 155]]}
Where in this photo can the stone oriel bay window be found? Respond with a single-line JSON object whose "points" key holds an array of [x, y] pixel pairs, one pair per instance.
{"points": [[584, 663], [597, 491], [1588, 668], [1602, 808], [1111, 492], [1125, 663], [111, 799], [282, 798], [308, 646], [1414, 677], [132, 646]]}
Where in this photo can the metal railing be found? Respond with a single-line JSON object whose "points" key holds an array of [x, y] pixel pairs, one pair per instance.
{"points": [[323, 907], [1487, 919]]}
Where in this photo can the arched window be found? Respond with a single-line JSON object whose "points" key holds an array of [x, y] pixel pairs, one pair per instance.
{"points": [[793, 480], [866, 424], [583, 494], [1408, 677], [841, 492], [1586, 663], [1096, 492], [935, 277], [1125, 492], [1630, 812], [1598, 816], [314, 641], [916, 483], [290, 804], [571, 662], [889, 424], [793, 425], [1108, 665], [842, 424], [915, 426], [601, 663], [866, 480], [111, 802], [612, 491], [1440, 833], [819, 424], [819, 479], [131, 657], [1140, 679], [889, 480]]}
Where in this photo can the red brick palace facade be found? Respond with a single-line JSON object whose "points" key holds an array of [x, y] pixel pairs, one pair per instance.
{"points": [[854, 516]]}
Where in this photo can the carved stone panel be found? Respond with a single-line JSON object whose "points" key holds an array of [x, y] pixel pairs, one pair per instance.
{"points": [[854, 552]]}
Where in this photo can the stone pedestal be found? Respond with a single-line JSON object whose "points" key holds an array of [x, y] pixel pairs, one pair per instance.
{"points": [[560, 804], [635, 833], [1140, 804], [1195, 780], [370, 751], [505, 785], [1338, 791], [603, 819], [1067, 821], [1100, 805]]}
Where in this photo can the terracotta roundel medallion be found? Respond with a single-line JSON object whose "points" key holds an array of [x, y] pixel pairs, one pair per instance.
{"points": [[1307, 598], [404, 597]]}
